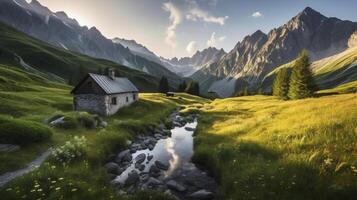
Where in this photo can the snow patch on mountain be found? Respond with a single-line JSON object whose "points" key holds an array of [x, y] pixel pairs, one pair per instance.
{"points": [[63, 46]]}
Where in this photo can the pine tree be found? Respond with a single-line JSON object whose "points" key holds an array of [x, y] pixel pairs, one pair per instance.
{"points": [[301, 81], [182, 87], [163, 85], [193, 88], [246, 92], [281, 84]]}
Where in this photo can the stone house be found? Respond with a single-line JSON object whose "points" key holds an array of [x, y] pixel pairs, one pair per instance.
{"points": [[103, 95]]}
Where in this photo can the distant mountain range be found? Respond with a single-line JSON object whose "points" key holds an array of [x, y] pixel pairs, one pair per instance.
{"points": [[248, 65], [185, 66], [59, 30]]}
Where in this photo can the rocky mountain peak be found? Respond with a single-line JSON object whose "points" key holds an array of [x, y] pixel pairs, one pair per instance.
{"points": [[61, 14], [35, 2]]}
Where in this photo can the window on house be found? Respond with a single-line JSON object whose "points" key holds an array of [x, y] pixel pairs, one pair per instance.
{"points": [[127, 99], [134, 97], [114, 101]]}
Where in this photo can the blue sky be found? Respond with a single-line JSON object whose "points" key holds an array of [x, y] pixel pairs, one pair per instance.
{"points": [[180, 27]]}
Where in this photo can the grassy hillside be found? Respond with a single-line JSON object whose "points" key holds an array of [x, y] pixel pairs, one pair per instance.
{"points": [[27, 96], [341, 89], [260, 147], [18, 49], [329, 72]]}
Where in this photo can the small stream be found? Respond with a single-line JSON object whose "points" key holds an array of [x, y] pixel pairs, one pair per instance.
{"points": [[161, 161]]}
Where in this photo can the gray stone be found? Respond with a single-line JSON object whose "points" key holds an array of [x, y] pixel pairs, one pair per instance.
{"points": [[154, 169], [139, 166], [150, 157], [111, 167], [151, 147], [57, 122], [158, 136], [154, 182], [162, 166], [120, 170], [133, 178], [144, 177], [124, 156], [103, 124], [201, 194], [140, 158], [175, 186], [189, 129]]}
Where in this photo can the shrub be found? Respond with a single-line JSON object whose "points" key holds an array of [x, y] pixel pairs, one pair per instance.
{"points": [[68, 123], [23, 132], [87, 120], [74, 119], [70, 151]]}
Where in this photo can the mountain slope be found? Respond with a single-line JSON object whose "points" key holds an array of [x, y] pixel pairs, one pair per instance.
{"points": [[329, 72], [258, 54], [21, 50], [61, 31]]}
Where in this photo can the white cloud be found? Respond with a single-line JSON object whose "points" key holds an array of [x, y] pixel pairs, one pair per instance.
{"points": [[257, 14], [175, 19], [214, 41], [196, 13], [193, 12], [191, 47]]}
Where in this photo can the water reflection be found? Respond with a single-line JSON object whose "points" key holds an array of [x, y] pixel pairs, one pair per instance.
{"points": [[176, 150]]}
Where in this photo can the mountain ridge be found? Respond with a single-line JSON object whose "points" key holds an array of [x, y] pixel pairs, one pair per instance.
{"points": [[59, 30], [259, 53]]}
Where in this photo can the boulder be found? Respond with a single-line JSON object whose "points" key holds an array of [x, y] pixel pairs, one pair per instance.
{"points": [[175, 186], [150, 157], [124, 156], [103, 124], [153, 182], [144, 177], [154, 169], [201, 194], [58, 121], [161, 165], [151, 147], [133, 178], [189, 129], [139, 166], [140, 158], [111, 167]]}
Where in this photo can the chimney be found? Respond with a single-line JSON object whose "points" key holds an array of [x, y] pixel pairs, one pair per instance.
{"points": [[111, 73]]}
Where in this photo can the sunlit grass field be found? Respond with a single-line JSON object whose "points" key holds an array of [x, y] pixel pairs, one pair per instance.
{"points": [[260, 147], [30, 97]]}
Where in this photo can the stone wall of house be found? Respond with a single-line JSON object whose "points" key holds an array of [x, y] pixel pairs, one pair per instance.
{"points": [[122, 100], [91, 103], [103, 104]]}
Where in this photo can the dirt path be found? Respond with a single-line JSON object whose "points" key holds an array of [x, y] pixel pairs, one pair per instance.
{"points": [[9, 176]]}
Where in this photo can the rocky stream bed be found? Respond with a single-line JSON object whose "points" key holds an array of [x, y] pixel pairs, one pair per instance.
{"points": [[160, 160]]}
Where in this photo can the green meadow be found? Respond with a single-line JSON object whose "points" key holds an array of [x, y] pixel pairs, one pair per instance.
{"points": [[257, 147]]}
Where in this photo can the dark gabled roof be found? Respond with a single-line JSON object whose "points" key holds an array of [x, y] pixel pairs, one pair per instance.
{"points": [[111, 86]]}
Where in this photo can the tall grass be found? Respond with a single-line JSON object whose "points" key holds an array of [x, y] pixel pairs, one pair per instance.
{"points": [[262, 148]]}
